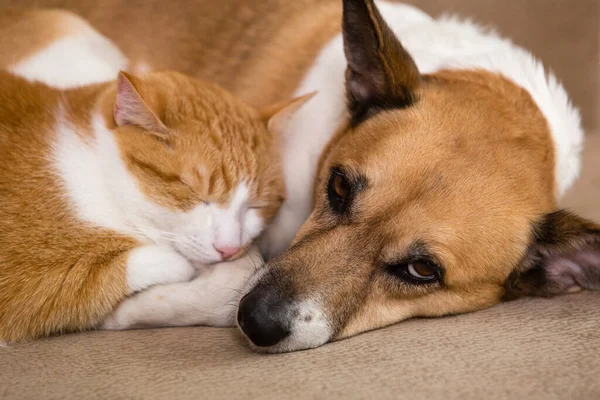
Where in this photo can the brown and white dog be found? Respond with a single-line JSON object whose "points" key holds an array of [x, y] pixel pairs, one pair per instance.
{"points": [[424, 177]]}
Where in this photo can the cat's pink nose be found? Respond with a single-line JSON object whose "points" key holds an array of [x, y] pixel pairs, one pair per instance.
{"points": [[227, 252]]}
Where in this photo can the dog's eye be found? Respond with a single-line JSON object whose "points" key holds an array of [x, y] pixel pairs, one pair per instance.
{"points": [[341, 186], [338, 191], [416, 272]]}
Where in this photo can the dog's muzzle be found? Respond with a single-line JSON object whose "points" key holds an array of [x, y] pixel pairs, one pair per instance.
{"points": [[278, 320]]}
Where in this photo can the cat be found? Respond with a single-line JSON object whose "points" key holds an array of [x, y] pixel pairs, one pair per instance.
{"points": [[110, 188], [62, 50]]}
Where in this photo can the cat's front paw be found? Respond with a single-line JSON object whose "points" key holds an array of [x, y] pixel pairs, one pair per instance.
{"points": [[211, 298], [114, 323], [152, 265]]}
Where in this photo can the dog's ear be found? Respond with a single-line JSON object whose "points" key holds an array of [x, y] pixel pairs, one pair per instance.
{"points": [[380, 73], [564, 256]]}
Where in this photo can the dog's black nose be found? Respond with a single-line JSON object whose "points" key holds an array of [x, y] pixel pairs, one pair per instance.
{"points": [[262, 318]]}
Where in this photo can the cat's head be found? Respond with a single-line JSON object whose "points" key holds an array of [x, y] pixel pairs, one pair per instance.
{"points": [[207, 164]]}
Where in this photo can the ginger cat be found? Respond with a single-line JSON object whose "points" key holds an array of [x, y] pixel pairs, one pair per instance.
{"points": [[111, 188]]}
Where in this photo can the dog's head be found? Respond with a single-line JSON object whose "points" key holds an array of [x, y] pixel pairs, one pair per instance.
{"points": [[439, 198]]}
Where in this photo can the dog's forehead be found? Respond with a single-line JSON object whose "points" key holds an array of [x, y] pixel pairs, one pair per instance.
{"points": [[447, 141], [400, 154], [421, 189], [417, 137]]}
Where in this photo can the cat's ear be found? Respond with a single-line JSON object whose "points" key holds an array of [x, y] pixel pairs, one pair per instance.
{"points": [[277, 116], [564, 256], [132, 109]]}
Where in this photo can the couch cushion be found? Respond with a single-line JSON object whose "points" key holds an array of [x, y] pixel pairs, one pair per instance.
{"points": [[532, 348]]}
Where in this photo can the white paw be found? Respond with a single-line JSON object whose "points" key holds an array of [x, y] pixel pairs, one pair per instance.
{"points": [[152, 265], [219, 288], [114, 322], [211, 298], [128, 314]]}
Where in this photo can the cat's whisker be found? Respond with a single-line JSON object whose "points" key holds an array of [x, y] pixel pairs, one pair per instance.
{"points": [[256, 268], [155, 234], [166, 233], [169, 239]]}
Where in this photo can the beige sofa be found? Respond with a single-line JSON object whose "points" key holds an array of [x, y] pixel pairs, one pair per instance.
{"points": [[527, 349]]}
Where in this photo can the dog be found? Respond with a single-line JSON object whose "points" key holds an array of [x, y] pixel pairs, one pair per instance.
{"points": [[422, 180]]}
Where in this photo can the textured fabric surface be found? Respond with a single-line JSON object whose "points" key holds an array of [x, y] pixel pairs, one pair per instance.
{"points": [[528, 349]]}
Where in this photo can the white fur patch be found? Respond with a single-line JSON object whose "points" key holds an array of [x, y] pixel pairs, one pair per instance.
{"points": [[152, 265], [73, 61], [309, 329], [83, 175], [98, 182], [228, 230], [211, 298]]}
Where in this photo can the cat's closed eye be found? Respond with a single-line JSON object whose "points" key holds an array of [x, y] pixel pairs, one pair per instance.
{"points": [[261, 204], [150, 169], [187, 181], [258, 206]]}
